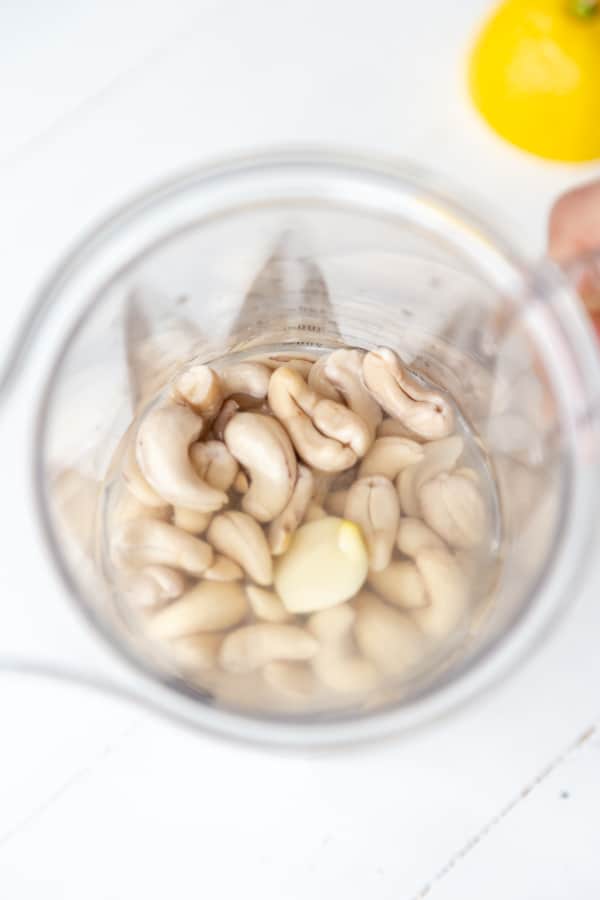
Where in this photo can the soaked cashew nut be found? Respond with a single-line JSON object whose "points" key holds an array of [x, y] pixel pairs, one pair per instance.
{"points": [[335, 503], [320, 383], [224, 569], [162, 449], [453, 507], [137, 484], [250, 379], [209, 606], [154, 585], [253, 646], [325, 564], [228, 411], [295, 680], [438, 456], [266, 604], [425, 412], [373, 504], [241, 483], [447, 590], [191, 520], [414, 535], [345, 674], [214, 464], [401, 584], [389, 456], [386, 636], [142, 542], [240, 537], [343, 368], [196, 652], [325, 434], [201, 389], [285, 524], [314, 512], [126, 507], [261, 445], [333, 625], [395, 428]]}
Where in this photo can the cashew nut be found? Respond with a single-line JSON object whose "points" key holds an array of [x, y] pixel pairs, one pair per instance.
{"points": [[162, 449], [154, 585], [325, 564], [319, 382], [345, 674], [209, 606], [137, 484], [373, 504], [401, 584], [240, 537], [228, 411], [214, 464], [333, 625], [250, 379], [303, 366], [314, 512], [191, 520], [414, 535], [241, 483], [285, 524], [266, 604], [389, 455], [335, 503], [395, 428], [126, 507], [224, 569], [438, 456], [343, 368], [425, 412], [325, 434], [453, 506], [386, 636], [201, 389], [262, 446], [447, 591], [253, 646], [293, 679], [142, 542], [196, 652]]}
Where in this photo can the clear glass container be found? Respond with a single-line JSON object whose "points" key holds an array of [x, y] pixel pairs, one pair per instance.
{"points": [[293, 251]]}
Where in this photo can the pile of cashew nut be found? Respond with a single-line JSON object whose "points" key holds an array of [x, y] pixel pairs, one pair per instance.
{"points": [[297, 529]]}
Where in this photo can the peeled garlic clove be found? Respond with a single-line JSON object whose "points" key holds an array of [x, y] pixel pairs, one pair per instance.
{"points": [[253, 646], [453, 507], [386, 636], [209, 606], [414, 535], [266, 604], [447, 590], [401, 584], [325, 564]]}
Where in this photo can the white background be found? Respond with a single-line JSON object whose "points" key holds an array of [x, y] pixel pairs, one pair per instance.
{"points": [[102, 801]]}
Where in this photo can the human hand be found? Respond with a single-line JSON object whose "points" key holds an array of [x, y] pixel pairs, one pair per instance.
{"points": [[574, 233]]}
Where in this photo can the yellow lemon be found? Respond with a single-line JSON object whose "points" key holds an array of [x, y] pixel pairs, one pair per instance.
{"points": [[535, 76]]}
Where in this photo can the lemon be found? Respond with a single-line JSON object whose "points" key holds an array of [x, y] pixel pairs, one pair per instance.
{"points": [[535, 76]]}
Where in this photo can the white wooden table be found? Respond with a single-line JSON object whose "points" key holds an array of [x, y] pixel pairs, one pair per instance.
{"points": [[103, 801]]}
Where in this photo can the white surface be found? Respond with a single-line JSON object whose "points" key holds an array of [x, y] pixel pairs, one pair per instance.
{"points": [[103, 801]]}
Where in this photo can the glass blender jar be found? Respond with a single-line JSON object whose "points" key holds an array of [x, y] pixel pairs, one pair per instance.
{"points": [[293, 251]]}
